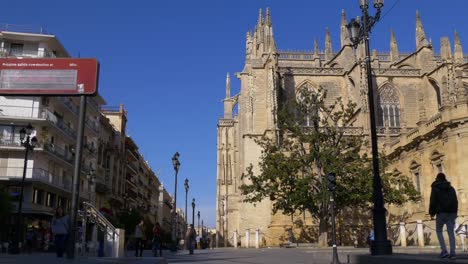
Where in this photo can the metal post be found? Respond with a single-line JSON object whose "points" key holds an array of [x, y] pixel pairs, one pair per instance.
{"points": [[332, 208], [19, 229], [198, 226], [174, 220], [76, 178], [381, 245], [186, 217]]}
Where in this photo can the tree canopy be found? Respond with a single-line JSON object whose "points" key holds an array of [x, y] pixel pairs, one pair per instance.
{"points": [[316, 137]]}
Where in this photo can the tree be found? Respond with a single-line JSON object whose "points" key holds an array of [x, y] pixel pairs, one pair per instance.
{"points": [[313, 139]]}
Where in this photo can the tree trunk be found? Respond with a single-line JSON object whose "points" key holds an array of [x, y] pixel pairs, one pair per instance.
{"points": [[323, 235]]}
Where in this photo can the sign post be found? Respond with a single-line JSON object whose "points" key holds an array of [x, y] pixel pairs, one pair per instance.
{"points": [[76, 179], [55, 77]]}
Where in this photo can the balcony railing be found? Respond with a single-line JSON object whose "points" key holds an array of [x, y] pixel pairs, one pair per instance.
{"points": [[10, 142], [18, 52], [51, 117], [36, 174], [22, 28], [19, 111], [69, 104], [92, 125], [59, 152]]}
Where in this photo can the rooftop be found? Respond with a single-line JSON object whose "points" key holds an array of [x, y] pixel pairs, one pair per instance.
{"points": [[23, 29]]}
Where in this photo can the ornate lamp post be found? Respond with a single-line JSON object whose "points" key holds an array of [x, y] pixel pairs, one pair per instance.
{"points": [[198, 228], [359, 31], [186, 185], [29, 143], [193, 226], [176, 164]]}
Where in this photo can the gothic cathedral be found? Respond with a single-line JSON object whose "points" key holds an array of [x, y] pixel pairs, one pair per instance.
{"points": [[422, 109]]}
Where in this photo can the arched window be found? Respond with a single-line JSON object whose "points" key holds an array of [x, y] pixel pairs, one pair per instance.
{"points": [[415, 169], [388, 107], [437, 92], [308, 112]]}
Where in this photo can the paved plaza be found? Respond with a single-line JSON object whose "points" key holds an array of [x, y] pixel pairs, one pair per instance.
{"points": [[251, 256]]}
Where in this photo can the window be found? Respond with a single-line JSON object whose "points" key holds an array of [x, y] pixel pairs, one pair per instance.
{"points": [[308, 112], [50, 200], [417, 179], [16, 49], [415, 169], [38, 196], [388, 107]]}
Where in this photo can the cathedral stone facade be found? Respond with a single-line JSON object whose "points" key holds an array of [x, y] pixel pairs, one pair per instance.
{"points": [[422, 112]]}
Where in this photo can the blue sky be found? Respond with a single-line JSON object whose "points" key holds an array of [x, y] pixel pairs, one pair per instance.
{"points": [[166, 61]]}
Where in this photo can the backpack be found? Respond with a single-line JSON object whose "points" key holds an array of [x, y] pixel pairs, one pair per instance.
{"points": [[448, 202]]}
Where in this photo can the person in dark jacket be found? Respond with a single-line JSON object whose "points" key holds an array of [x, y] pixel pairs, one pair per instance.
{"points": [[444, 205]]}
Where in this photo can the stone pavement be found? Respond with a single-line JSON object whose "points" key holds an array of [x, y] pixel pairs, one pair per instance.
{"points": [[251, 256]]}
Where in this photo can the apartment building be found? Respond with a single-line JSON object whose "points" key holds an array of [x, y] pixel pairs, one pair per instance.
{"points": [[114, 175], [48, 182]]}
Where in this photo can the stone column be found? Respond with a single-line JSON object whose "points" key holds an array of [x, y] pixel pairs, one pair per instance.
{"points": [[257, 238], [402, 234], [420, 230], [247, 238], [235, 238]]}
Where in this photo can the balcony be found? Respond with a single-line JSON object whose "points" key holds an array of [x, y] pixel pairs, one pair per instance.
{"points": [[51, 117], [36, 174], [22, 112], [59, 152], [89, 146], [91, 102], [22, 53], [93, 125], [68, 103], [10, 143]]}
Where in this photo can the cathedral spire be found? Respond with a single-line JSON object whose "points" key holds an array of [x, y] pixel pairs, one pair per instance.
{"points": [[267, 17], [421, 40], [394, 54], [445, 49], [328, 46], [458, 49], [260, 18], [228, 86], [344, 30], [316, 49]]}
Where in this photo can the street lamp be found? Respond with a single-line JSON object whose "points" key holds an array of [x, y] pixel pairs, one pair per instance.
{"points": [[193, 227], [198, 222], [176, 164], [358, 32], [186, 185], [29, 143]]}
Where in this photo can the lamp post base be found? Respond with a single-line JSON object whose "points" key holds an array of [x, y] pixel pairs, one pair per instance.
{"points": [[381, 248]]}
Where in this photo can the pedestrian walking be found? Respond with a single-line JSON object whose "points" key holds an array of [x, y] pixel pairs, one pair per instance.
{"points": [[444, 205], [139, 238], [191, 234], [157, 240], [60, 228]]}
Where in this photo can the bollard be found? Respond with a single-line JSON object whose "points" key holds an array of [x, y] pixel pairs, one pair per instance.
{"points": [[247, 238], [420, 229], [402, 234], [257, 238], [235, 238]]}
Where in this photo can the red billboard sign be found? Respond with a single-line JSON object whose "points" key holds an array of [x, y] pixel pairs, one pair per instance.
{"points": [[61, 76]]}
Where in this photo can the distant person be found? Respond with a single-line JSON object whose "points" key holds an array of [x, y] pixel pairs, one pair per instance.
{"points": [[444, 205], [60, 226], [157, 240], [191, 234], [139, 238]]}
